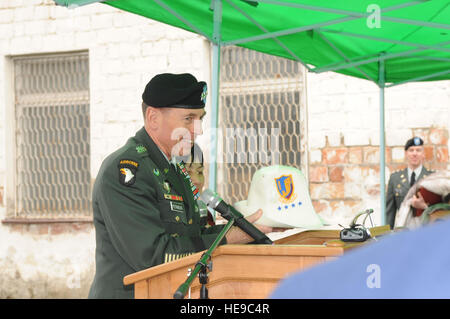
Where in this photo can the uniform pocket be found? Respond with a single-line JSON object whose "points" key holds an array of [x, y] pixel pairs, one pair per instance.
{"points": [[173, 213]]}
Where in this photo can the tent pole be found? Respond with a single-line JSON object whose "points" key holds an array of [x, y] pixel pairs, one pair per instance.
{"points": [[381, 80], [216, 44]]}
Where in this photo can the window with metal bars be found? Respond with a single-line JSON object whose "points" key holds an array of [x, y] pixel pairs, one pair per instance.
{"points": [[52, 138], [261, 97]]}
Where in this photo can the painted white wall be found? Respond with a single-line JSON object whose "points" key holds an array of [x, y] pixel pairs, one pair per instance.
{"points": [[125, 51]]}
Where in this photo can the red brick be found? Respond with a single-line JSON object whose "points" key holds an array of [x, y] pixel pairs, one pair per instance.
{"points": [[336, 190], [358, 174], [371, 154], [82, 227], [327, 190], [319, 206], [429, 152], [318, 174], [17, 228], [59, 228], [388, 154], [373, 190], [355, 155], [437, 166], [334, 155], [336, 174], [438, 136], [337, 204], [442, 154]]}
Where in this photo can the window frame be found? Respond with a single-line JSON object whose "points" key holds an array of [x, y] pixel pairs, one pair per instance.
{"points": [[11, 128]]}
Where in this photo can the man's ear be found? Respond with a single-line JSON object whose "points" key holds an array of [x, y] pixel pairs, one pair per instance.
{"points": [[152, 117]]}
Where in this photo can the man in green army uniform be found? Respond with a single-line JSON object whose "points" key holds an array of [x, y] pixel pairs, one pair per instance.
{"points": [[145, 212], [401, 181]]}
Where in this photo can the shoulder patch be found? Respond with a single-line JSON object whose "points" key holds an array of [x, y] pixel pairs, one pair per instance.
{"points": [[127, 171]]}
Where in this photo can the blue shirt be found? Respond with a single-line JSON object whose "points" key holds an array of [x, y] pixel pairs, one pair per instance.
{"points": [[409, 264]]}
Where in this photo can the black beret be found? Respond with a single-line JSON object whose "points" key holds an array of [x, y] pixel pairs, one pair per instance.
{"points": [[175, 90], [415, 141]]}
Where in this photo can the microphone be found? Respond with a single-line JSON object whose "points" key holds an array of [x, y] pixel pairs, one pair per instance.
{"points": [[357, 232], [213, 200]]}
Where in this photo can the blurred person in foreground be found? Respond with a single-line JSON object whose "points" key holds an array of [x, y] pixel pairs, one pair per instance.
{"points": [[405, 265]]}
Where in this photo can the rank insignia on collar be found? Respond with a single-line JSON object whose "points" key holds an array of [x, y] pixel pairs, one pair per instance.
{"points": [[141, 149], [127, 172]]}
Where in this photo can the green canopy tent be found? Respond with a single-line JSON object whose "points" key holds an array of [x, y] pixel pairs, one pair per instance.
{"points": [[387, 42]]}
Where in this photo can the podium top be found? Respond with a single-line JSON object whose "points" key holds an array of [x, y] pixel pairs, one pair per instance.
{"points": [[314, 243], [248, 250]]}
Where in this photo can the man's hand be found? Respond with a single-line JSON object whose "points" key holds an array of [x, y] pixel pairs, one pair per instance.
{"points": [[237, 236], [418, 202]]}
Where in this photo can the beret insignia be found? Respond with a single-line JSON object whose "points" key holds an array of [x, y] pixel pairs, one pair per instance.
{"points": [[415, 141]]}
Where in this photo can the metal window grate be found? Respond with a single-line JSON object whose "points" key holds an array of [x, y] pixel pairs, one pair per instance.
{"points": [[259, 116], [52, 136]]}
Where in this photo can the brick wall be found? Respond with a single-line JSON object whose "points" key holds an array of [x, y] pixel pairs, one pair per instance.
{"points": [[346, 175], [344, 136]]}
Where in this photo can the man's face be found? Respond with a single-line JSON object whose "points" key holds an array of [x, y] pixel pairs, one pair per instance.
{"points": [[415, 156], [179, 128]]}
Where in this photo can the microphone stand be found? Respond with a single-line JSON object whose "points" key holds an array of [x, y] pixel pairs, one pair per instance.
{"points": [[202, 266]]}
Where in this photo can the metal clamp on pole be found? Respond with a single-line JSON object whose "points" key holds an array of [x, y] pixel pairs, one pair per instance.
{"points": [[202, 265]]}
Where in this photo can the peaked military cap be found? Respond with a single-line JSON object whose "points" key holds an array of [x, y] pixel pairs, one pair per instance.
{"points": [[175, 90], [415, 141]]}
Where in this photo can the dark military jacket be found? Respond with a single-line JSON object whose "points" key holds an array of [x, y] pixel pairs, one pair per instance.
{"points": [[398, 187], [145, 214]]}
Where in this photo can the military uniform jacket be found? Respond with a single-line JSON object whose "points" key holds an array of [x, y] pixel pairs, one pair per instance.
{"points": [[398, 187], [144, 215]]}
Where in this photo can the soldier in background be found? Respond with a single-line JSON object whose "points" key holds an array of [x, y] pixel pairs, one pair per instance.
{"points": [[401, 181]]}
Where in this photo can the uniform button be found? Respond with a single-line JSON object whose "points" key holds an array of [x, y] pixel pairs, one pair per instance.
{"points": [[190, 221], [177, 218]]}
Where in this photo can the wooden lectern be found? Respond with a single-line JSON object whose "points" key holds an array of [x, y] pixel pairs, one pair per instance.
{"points": [[244, 271]]}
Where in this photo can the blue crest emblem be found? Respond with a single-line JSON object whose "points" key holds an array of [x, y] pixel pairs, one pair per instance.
{"points": [[285, 186], [416, 141]]}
